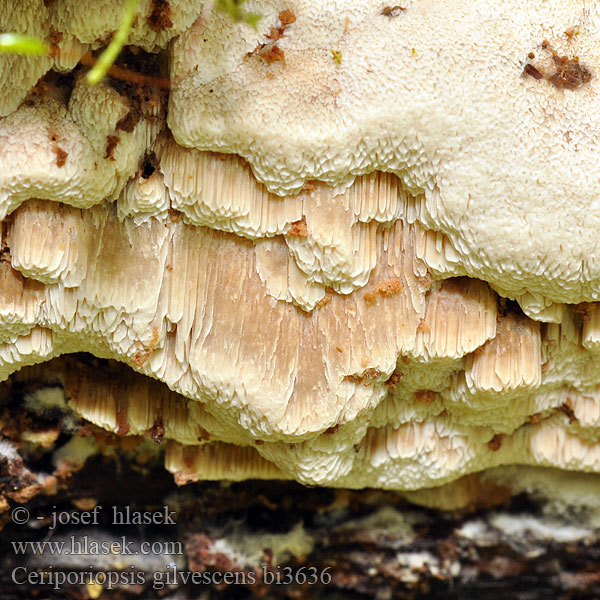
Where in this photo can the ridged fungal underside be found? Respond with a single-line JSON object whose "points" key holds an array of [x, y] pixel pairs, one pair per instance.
{"points": [[372, 268]]}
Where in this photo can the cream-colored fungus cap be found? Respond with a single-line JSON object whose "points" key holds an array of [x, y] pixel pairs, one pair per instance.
{"points": [[362, 251], [488, 111]]}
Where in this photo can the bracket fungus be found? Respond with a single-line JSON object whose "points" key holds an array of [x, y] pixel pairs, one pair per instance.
{"points": [[356, 272]]}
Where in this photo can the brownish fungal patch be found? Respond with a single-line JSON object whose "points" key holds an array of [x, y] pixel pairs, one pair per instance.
{"points": [[157, 433], [366, 377], [571, 32], [394, 379], [545, 366], [535, 418], [141, 357], [582, 312], [160, 16], [271, 53], [286, 17], [131, 119], [392, 11], [123, 427], [298, 228], [567, 409], [423, 327], [111, 144], [496, 442], [324, 301], [532, 71], [570, 74], [61, 155], [174, 215], [55, 38], [203, 436], [387, 287], [425, 396]]}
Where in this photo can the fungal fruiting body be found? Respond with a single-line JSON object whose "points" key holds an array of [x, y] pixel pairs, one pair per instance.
{"points": [[366, 258]]}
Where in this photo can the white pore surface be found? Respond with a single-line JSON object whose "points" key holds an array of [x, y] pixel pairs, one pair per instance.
{"points": [[509, 164]]}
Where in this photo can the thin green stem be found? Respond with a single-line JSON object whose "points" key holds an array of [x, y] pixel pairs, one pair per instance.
{"points": [[22, 44], [108, 57]]}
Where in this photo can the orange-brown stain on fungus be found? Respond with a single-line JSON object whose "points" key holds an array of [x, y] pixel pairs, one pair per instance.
{"points": [[583, 311], [532, 71], [141, 356], [298, 228], [111, 144], [394, 379], [286, 17], [157, 433], [174, 215], [571, 32], [131, 119], [545, 366], [425, 396], [392, 11], [271, 53], [160, 16], [61, 155], [567, 408], [122, 421], [203, 436], [324, 301], [535, 418], [423, 327], [55, 38], [570, 74], [496, 442], [365, 378], [387, 287]]}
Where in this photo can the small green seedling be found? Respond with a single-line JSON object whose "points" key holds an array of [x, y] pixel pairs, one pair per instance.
{"points": [[108, 57], [16, 43]]}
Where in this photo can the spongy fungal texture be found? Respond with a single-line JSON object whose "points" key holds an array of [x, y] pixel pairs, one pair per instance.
{"points": [[309, 256], [73, 27], [506, 163]]}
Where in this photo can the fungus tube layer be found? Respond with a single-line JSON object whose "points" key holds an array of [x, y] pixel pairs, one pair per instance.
{"points": [[339, 254]]}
